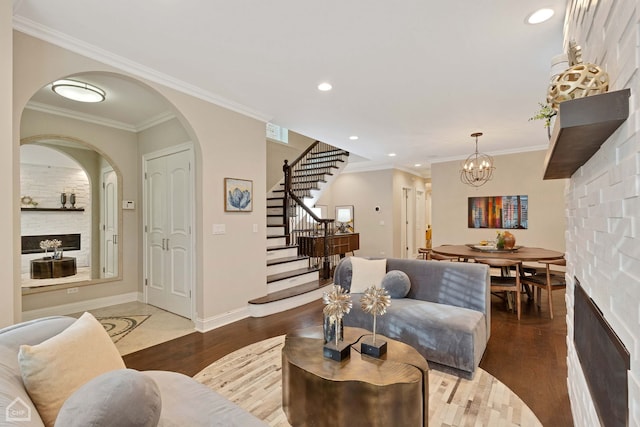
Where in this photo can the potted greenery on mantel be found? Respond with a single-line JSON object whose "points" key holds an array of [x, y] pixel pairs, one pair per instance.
{"points": [[545, 113]]}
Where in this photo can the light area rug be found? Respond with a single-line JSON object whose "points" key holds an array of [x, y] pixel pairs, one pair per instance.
{"points": [[251, 377]]}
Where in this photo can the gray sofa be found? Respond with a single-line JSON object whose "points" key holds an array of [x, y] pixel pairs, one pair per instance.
{"points": [[183, 400], [446, 314]]}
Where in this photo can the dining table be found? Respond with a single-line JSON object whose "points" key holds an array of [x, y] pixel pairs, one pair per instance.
{"points": [[475, 251], [518, 253]]}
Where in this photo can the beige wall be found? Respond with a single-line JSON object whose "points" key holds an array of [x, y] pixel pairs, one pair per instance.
{"points": [[9, 176], [277, 152], [230, 268], [515, 174], [380, 233]]}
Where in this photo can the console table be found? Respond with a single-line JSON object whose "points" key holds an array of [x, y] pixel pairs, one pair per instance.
{"points": [[49, 268], [339, 244], [358, 391]]}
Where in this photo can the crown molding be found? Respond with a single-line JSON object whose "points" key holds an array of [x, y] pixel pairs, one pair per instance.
{"points": [[360, 167], [80, 47], [494, 153], [71, 114]]}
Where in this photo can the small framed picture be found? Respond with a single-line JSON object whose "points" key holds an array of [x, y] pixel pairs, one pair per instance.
{"points": [[238, 195]]}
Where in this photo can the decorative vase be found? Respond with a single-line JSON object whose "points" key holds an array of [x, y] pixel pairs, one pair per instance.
{"points": [[329, 329], [509, 240]]}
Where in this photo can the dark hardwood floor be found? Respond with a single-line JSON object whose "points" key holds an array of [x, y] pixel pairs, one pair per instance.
{"points": [[528, 356]]}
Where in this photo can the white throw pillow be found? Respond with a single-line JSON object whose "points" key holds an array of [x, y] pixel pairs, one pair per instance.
{"points": [[54, 369], [366, 273]]}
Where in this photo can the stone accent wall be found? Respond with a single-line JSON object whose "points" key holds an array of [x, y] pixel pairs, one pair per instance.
{"points": [[44, 185], [603, 199]]}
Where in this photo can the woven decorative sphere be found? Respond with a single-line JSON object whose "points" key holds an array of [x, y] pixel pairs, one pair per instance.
{"points": [[579, 81]]}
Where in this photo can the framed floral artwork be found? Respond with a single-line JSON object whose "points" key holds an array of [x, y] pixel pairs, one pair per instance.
{"points": [[238, 195]]}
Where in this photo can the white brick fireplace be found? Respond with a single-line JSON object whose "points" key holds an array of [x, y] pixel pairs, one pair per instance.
{"points": [[603, 200]]}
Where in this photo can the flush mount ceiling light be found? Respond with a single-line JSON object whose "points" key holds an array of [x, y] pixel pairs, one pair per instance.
{"points": [[540, 16], [324, 87], [78, 91], [478, 168], [353, 137]]}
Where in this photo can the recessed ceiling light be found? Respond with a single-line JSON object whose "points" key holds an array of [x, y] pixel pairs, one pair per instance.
{"points": [[78, 91], [540, 15], [417, 165], [325, 86], [392, 154], [353, 137]]}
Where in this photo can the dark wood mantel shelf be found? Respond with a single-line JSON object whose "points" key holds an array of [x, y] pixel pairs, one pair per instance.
{"points": [[581, 127], [52, 209]]}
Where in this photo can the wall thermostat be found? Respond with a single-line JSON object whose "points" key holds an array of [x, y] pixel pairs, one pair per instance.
{"points": [[128, 204]]}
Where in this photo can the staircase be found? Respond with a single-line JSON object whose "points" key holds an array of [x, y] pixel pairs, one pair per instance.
{"points": [[291, 279]]}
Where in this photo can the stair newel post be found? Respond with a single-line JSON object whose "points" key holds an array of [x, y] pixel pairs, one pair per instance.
{"points": [[325, 260], [285, 199]]}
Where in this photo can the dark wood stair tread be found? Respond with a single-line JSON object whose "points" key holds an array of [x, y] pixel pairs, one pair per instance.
{"points": [[290, 292], [281, 247]]}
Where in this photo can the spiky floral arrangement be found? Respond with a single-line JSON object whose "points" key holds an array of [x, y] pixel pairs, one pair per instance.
{"points": [[375, 301]]}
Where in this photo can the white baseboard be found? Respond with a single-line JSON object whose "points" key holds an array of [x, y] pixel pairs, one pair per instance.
{"points": [[81, 306], [210, 323]]}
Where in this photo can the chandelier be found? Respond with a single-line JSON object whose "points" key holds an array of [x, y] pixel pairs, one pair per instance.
{"points": [[478, 168]]}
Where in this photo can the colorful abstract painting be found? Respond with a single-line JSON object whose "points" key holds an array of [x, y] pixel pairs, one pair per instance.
{"points": [[507, 212]]}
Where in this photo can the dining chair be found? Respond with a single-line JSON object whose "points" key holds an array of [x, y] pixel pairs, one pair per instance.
{"points": [[437, 257], [548, 279], [505, 282]]}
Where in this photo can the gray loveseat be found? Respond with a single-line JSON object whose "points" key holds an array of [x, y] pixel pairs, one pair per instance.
{"points": [[446, 314], [183, 400]]}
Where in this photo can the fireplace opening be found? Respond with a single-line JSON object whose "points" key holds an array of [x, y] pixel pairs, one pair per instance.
{"points": [[31, 244], [604, 360]]}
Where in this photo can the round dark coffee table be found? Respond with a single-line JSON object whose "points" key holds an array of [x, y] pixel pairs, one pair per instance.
{"points": [[358, 391]]}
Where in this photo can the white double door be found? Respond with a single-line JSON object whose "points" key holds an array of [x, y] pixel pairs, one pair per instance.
{"points": [[168, 231]]}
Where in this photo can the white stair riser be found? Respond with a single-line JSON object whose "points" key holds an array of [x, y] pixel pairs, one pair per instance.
{"points": [[287, 266], [261, 310], [277, 241], [272, 210], [291, 282], [274, 220], [281, 253], [275, 231]]}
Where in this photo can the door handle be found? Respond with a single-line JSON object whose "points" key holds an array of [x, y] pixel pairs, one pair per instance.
{"points": [[115, 239], [163, 244], [167, 244]]}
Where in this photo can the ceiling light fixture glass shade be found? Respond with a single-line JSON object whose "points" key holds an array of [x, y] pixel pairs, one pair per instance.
{"points": [[540, 16], [478, 168], [78, 91]]}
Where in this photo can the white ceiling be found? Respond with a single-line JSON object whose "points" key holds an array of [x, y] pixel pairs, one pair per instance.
{"points": [[413, 77]]}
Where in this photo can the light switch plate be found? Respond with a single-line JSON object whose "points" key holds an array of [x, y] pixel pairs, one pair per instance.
{"points": [[128, 204], [219, 228]]}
